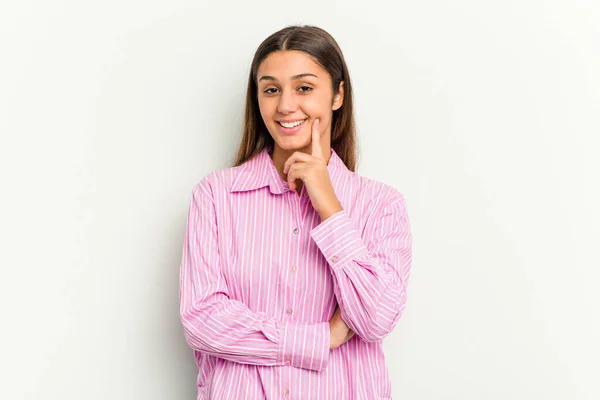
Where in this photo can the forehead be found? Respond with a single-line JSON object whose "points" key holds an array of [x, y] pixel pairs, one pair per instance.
{"points": [[284, 64]]}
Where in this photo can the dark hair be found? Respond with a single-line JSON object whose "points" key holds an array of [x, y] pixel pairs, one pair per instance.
{"points": [[324, 50]]}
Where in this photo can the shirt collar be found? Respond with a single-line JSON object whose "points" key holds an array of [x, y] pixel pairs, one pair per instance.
{"points": [[260, 171]]}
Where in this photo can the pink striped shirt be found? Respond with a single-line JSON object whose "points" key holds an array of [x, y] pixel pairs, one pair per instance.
{"points": [[261, 276]]}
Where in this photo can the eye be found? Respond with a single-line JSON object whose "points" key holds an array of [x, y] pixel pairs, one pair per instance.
{"points": [[303, 89]]}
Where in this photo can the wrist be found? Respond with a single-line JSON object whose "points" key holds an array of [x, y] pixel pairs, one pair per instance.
{"points": [[329, 211]]}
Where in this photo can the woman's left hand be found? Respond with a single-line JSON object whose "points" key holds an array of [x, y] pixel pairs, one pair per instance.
{"points": [[312, 170], [339, 332]]}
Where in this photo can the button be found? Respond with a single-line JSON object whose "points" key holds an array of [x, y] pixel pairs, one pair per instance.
{"points": [[288, 361], [296, 230], [294, 268], [334, 259], [286, 391], [305, 194], [289, 311]]}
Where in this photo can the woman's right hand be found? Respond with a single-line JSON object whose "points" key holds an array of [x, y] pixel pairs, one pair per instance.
{"points": [[340, 333]]}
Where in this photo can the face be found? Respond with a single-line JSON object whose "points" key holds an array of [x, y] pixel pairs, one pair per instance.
{"points": [[292, 88]]}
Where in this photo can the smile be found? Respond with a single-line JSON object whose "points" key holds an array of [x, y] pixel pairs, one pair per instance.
{"points": [[291, 124]]}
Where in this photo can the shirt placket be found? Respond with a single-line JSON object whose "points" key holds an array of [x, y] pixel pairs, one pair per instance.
{"points": [[298, 232]]}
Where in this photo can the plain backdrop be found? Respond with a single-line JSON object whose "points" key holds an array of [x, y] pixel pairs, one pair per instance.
{"points": [[485, 115]]}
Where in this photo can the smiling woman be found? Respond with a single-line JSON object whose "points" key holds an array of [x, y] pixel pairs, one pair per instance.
{"points": [[294, 267]]}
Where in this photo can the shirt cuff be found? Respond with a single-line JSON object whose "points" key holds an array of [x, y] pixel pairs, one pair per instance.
{"points": [[338, 239], [304, 345]]}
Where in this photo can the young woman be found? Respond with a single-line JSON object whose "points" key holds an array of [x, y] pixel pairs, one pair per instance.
{"points": [[294, 267]]}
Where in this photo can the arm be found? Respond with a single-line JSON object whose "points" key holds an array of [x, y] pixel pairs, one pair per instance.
{"points": [[223, 327], [370, 273]]}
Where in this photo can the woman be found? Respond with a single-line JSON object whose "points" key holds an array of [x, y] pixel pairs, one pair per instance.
{"points": [[294, 267]]}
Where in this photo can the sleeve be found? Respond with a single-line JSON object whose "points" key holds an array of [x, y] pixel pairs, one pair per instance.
{"points": [[223, 327], [370, 272]]}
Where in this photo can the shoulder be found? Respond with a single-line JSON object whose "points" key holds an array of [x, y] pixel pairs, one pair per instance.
{"points": [[378, 204], [378, 194], [218, 182]]}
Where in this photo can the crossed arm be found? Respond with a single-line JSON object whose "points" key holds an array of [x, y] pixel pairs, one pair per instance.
{"points": [[369, 274]]}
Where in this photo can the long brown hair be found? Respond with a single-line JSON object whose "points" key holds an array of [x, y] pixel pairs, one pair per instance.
{"points": [[325, 51]]}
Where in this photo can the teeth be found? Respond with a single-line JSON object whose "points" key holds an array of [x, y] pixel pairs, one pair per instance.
{"points": [[291, 125]]}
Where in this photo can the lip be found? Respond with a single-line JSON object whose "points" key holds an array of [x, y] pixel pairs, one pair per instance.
{"points": [[291, 120], [291, 131]]}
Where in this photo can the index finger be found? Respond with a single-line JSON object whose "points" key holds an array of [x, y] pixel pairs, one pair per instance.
{"points": [[317, 151]]}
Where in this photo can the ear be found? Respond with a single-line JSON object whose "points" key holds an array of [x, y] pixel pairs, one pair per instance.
{"points": [[338, 99]]}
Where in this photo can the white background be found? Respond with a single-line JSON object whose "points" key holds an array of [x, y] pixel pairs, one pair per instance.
{"points": [[485, 115]]}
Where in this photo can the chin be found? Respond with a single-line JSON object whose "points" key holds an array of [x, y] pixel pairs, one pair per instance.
{"points": [[295, 143], [288, 146]]}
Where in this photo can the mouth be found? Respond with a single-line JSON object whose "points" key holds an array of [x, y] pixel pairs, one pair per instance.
{"points": [[290, 128]]}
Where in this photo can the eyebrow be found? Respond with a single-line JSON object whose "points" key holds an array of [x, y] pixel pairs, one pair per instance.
{"points": [[299, 76]]}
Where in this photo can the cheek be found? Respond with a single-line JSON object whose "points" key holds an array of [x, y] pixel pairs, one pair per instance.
{"points": [[267, 107], [264, 110], [316, 106]]}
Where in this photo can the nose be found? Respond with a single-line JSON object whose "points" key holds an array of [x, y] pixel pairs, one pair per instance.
{"points": [[287, 102]]}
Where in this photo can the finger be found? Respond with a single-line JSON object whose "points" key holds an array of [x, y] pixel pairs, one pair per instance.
{"points": [[294, 173], [291, 179], [316, 140], [296, 157]]}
